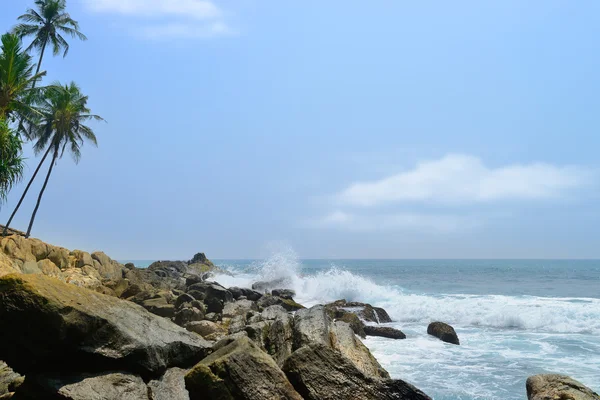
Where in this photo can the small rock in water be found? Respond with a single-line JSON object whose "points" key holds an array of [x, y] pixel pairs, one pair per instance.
{"points": [[443, 331], [384, 331]]}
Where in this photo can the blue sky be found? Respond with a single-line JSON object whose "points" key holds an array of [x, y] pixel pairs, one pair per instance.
{"points": [[386, 129]]}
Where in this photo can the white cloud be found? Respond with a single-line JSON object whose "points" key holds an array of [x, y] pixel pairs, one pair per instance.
{"points": [[168, 18], [465, 179], [430, 223]]}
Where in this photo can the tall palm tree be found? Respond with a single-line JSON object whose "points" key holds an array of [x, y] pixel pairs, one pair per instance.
{"points": [[61, 128], [11, 162], [16, 80], [46, 25]]}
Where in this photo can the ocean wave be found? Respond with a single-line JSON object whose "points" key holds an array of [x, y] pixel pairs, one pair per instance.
{"points": [[556, 315]]}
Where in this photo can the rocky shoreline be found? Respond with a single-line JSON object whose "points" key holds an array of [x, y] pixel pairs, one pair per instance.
{"points": [[76, 325]]}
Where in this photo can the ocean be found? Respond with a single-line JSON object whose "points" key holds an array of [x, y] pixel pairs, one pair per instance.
{"points": [[514, 318]]}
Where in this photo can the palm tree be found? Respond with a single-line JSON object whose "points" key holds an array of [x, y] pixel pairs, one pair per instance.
{"points": [[61, 127], [46, 25], [16, 80], [11, 162]]}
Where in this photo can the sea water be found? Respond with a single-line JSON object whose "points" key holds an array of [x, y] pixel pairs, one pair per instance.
{"points": [[514, 318]]}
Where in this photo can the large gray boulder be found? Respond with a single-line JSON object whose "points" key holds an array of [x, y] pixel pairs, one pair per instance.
{"points": [[384, 331], [239, 371], [558, 387], [319, 372], [101, 386], [444, 332], [48, 325], [315, 326], [171, 386]]}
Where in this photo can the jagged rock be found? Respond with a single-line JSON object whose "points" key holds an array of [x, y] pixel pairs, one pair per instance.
{"points": [[237, 324], [240, 307], [83, 258], [102, 386], [159, 306], [355, 323], [274, 312], [212, 294], [314, 325], [257, 332], [269, 300], [265, 286], [443, 332], [9, 379], [284, 293], [248, 293], [200, 258], [50, 320], [319, 372], [182, 299], [558, 387], [86, 277], [188, 314], [171, 386], [384, 331], [279, 337], [239, 371], [363, 310], [204, 328]]}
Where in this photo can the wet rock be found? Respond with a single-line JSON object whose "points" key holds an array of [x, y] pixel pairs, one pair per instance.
{"points": [[266, 286], [269, 300], [284, 293], [384, 331], [319, 372], [558, 387], [171, 386], [248, 293], [355, 323], [443, 332], [212, 294], [50, 320], [241, 371]]}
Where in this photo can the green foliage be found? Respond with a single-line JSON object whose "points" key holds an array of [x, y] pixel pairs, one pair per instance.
{"points": [[46, 24], [16, 80], [11, 162], [63, 113]]}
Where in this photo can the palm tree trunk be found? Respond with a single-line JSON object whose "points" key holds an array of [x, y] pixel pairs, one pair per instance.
{"points": [[26, 190], [39, 200], [37, 71]]}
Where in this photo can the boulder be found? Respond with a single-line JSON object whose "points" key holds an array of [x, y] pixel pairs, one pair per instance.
{"points": [[240, 307], [59, 327], [188, 314], [84, 258], [212, 294], [48, 268], [248, 293], [279, 337], [239, 371], [274, 312], [314, 325], [284, 293], [384, 331], [9, 379], [364, 311], [443, 332], [204, 328], [269, 300], [558, 387], [319, 372], [355, 323], [265, 286], [101, 386], [86, 277], [159, 306], [171, 386]]}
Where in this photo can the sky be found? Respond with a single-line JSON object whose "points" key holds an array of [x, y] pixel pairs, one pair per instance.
{"points": [[343, 129]]}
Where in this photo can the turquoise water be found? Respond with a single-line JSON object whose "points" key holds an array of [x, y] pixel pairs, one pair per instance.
{"points": [[515, 318]]}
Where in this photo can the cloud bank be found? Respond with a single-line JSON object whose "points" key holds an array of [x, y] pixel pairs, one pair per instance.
{"points": [[453, 186], [465, 179], [164, 19]]}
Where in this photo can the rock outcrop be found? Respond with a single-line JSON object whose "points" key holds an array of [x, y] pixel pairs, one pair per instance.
{"points": [[9, 379], [558, 387], [319, 372], [444, 332], [171, 386], [241, 371], [53, 326]]}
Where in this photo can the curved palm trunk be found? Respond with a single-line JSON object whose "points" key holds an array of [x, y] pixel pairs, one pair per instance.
{"points": [[37, 71], [25, 192], [39, 200]]}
